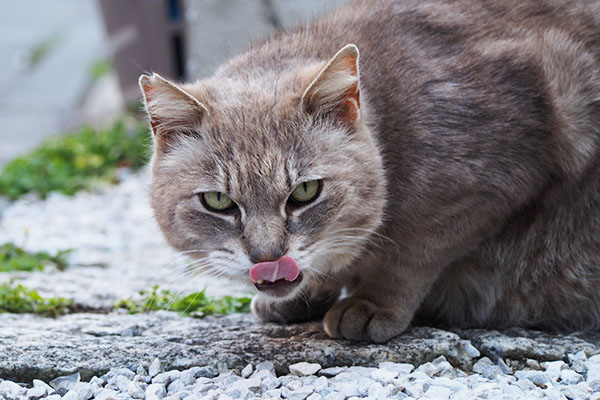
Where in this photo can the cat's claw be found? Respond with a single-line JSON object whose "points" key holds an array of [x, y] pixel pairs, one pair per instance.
{"points": [[359, 319]]}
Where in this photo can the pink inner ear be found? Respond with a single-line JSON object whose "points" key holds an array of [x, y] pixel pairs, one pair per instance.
{"points": [[349, 62], [148, 88], [333, 91], [349, 109], [271, 271]]}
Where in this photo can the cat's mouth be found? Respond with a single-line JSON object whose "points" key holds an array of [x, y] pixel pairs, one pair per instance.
{"points": [[279, 288], [276, 278]]}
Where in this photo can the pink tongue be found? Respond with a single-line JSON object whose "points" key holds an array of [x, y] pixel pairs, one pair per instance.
{"points": [[270, 271]]}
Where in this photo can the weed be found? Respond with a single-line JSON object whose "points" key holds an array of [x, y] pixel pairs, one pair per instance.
{"points": [[42, 49], [196, 304], [20, 299], [100, 68], [72, 162], [14, 258]]}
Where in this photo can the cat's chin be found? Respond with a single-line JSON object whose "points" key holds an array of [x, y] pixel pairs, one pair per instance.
{"points": [[281, 287]]}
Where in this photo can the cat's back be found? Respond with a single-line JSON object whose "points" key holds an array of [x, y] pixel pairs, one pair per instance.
{"points": [[405, 43], [468, 22], [547, 45], [438, 28], [543, 54], [420, 41]]}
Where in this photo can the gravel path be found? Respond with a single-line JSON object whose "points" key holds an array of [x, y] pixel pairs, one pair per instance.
{"points": [[578, 379], [119, 251]]}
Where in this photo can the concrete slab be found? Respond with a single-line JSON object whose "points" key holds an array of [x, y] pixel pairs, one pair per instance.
{"points": [[218, 29], [91, 344]]}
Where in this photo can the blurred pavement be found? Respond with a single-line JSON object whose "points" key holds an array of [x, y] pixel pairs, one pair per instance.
{"points": [[219, 29], [47, 48]]}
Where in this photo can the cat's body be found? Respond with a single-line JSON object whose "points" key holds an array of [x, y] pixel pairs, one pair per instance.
{"points": [[460, 184]]}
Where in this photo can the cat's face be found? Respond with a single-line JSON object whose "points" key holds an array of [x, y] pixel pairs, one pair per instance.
{"points": [[248, 171]]}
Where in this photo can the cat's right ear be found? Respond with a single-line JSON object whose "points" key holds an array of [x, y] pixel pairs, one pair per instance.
{"points": [[335, 90], [172, 110]]}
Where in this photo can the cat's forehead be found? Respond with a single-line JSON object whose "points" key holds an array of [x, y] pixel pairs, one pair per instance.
{"points": [[255, 130], [255, 137], [258, 153], [254, 104], [258, 123]]}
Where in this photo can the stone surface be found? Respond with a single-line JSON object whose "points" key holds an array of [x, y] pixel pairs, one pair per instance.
{"points": [[304, 369], [400, 369], [521, 344], [36, 393], [65, 382], [247, 371], [156, 390], [536, 377], [40, 348]]}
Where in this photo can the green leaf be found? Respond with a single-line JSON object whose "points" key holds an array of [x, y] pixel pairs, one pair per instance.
{"points": [[14, 258], [75, 161], [196, 304], [100, 68], [20, 299]]}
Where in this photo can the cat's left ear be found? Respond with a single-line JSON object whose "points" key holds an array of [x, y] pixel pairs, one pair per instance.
{"points": [[335, 90], [172, 110]]}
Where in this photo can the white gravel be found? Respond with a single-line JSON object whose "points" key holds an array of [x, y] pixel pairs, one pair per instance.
{"points": [[433, 380]]}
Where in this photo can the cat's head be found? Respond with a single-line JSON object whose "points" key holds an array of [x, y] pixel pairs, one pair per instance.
{"points": [[267, 174]]}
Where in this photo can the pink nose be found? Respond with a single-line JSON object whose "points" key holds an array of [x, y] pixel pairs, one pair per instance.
{"points": [[271, 271]]}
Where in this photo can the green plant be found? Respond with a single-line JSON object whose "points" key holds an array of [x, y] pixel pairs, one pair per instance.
{"points": [[196, 304], [72, 162], [100, 68], [14, 258], [42, 49], [20, 299]]}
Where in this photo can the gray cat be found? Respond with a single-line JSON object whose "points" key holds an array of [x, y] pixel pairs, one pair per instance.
{"points": [[450, 175]]}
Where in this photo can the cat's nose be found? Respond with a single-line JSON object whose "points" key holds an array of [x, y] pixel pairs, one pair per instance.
{"points": [[270, 253], [264, 238]]}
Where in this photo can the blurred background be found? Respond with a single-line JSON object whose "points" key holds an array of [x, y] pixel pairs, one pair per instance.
{"points": [[69, 62]]}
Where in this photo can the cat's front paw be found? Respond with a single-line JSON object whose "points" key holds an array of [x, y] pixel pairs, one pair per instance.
{"points": [[300, 309], [359, 319], [266, 309]]}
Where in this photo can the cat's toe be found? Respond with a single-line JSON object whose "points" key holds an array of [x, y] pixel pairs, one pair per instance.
{"points": [[358, 319]]}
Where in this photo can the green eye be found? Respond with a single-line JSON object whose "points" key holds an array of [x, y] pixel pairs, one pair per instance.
{"points": [[217, 201], [306, 192]]}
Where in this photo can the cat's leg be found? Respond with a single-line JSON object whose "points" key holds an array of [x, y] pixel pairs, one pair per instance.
{"points": [[383, 306], [311, 304]]}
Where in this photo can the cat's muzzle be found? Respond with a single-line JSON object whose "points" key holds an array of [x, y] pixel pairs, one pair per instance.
{"points": [[277, 278]]}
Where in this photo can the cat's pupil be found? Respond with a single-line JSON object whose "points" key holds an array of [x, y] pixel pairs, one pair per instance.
{"points": [[305, 192], [219, 196]]}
